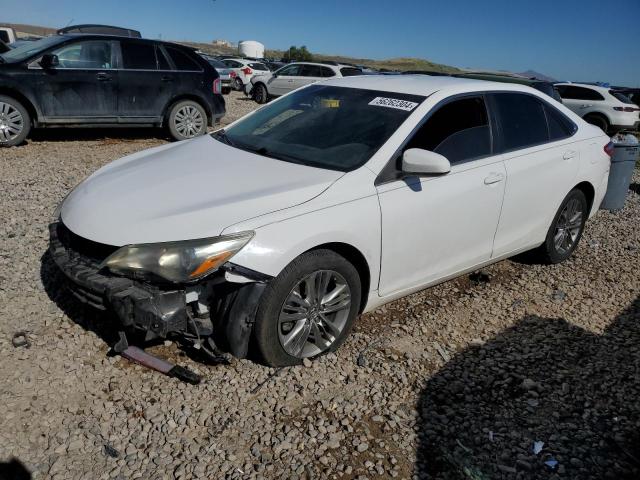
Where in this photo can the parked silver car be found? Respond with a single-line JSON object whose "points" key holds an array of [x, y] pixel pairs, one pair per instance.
{"points": [[295, 75], [227, 75]]}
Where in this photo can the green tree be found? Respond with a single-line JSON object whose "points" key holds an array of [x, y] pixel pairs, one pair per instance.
{"points": [[298, 54]]}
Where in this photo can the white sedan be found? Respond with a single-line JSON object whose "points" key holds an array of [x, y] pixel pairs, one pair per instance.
{"points": [[326, 203]]}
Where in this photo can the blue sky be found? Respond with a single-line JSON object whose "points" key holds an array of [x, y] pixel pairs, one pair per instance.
{"points": [[576, 40]]}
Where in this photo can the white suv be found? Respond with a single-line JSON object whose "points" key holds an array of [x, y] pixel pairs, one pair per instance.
{"points": [[295, 75], [245, 69], [601, 106]]}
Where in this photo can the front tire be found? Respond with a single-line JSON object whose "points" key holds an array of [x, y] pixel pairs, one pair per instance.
{"points": [[260, 94], [566, 229], [15, 122], [308, 309], [238, 85], [187, 119]]}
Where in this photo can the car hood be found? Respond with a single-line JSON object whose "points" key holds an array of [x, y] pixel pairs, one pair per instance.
{"points": [[185, 190]]}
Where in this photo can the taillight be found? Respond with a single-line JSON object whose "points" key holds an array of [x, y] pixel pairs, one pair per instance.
{"points": [[626, 109], [233, 74], [217, 86], [247, 71], [618, 109], [609, 149]]}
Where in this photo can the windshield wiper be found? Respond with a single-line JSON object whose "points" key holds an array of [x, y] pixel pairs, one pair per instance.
{"points": [[222, 135], [278, 156]]}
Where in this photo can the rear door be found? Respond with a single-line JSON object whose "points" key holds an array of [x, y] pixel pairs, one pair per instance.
{"points": [[146, 82], [308, 74], [83, 85], [541, 161]]}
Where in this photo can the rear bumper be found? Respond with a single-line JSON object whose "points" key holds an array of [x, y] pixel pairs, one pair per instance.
{"points": [[159, 311], [632, 127]]}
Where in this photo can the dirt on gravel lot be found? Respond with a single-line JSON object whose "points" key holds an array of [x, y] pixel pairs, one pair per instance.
{"points": [[455, 382]]}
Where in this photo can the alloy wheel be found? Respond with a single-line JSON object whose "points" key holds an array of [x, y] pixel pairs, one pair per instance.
{"points": [[189, 121], [314, 314], [568, 226], [11, 122]]}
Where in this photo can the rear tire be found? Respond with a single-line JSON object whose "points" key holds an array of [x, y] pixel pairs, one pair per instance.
{"points": [[15, 122], [187, 119], [598, 121], [260, 94], [566, 229], [238, 85], [318, 295]]}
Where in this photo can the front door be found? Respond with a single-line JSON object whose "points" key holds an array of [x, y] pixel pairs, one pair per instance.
{"points": [[84, 84], [283, 81], [146, 81], [434, 227]]}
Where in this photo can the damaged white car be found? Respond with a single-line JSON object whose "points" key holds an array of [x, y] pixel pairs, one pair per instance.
{"points": [[328, 202]]}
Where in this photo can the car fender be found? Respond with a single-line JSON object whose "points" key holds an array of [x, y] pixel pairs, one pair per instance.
{"points": [[11, 88], [347, 213]]}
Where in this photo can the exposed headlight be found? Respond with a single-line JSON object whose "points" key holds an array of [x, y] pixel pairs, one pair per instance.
{"points": [[178, 262]]}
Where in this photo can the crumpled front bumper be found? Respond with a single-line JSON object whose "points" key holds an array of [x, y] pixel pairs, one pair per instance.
{"points": [[147, 308], [159, 310]]}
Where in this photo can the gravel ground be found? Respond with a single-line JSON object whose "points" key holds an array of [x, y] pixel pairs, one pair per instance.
{"points": [[455, 382]]}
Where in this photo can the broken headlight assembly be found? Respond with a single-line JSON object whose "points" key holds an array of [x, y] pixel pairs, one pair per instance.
{"points": [[178, 262]]}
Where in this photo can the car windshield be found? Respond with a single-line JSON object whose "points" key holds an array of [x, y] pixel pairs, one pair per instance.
{"points": [[323, 126], [29, 49]]}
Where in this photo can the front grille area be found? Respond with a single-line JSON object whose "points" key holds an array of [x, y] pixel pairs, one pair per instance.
{"points": [[80, 259], [81, 247]]}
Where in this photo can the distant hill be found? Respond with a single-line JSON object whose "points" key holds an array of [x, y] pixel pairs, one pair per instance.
{"points": [[538, 75]]}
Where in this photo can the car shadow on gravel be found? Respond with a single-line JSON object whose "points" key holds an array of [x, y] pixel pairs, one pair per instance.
{"points": [[541, 380], [14, 469], [106, 134], [635, 188]]}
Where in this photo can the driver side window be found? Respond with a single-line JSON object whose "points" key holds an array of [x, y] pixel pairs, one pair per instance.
{"points": [[290, 71], [92, 54], [459, 130]]}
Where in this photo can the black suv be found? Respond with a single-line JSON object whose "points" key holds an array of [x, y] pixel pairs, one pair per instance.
{"points": [[91, 80]]}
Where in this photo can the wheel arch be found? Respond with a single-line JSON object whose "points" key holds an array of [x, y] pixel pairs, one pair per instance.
{"points": [[357, 259], [589, 192], [24, 100], [599, 115]]}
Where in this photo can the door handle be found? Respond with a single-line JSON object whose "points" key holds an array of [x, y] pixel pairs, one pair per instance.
{"points": [[103, 77], [290, 81], [586, 105], [569, 154], [493, 178], [166, 78]]}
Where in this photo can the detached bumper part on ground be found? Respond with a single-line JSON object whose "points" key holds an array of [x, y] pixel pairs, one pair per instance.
{"points": [[220, 309]]}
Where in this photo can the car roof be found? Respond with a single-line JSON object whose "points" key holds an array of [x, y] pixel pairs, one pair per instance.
{"points": [[424, 84], [89, 36]]}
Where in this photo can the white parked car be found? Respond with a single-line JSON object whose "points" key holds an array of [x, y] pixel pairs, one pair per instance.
{"points": [[293, 76], [326, 203], [604, 107], [245, 69]]}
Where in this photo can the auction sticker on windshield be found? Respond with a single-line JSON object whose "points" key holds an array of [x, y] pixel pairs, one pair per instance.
{"points": [[393, 103]]}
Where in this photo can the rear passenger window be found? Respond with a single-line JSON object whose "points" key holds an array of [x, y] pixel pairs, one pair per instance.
{"points": [[350, 71], [311, 71], [259, 66], [138, 56], [458, 130], [522, 120], [182, 61], [559, 126], [163, 63], [327, 72], [578, 93]]}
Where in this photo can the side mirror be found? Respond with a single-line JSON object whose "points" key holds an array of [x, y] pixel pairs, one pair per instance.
{"points": [[424, 162], [49, 60]]}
